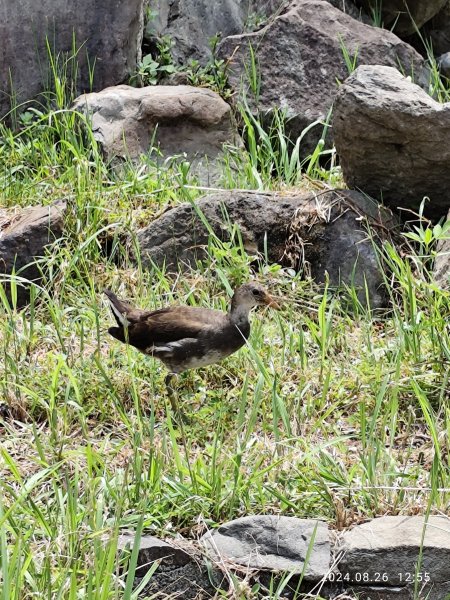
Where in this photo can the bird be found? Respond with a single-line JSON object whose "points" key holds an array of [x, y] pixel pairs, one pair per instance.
{"points": [[187, 337]]}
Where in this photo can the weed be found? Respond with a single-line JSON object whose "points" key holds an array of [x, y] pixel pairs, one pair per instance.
{"points": [[376, 13], [213, 75], [151, 70], [351, 62]]}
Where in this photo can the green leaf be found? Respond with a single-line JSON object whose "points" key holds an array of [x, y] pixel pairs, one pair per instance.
{"points": [[168, 68]]}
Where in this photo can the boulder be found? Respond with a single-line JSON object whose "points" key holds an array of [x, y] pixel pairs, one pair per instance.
{"points": [[300, 60], [109, 34], [383, 554], [277, 7], [389, 137], [23, 237], [191, 24], [349, 8], [444, 65], [320, 234], [438, 30], [128, 122], [267, 8], [404, 16], [274, 543]]}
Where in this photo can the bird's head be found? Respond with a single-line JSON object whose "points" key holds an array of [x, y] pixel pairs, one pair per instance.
{"points": [[252, 294]]}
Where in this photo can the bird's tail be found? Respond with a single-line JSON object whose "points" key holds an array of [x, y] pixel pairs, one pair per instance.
{"points": [[119, 308]]}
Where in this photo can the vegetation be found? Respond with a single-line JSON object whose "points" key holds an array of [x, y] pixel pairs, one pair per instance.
{"points": [[327, 412]]}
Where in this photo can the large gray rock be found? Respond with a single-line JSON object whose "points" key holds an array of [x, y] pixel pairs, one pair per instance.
{"points": [[126, 121], [444, 65], [405, 16], [110, 33], [349, 8], [321, 234], [267, 8], [438, 29], [300, 61], [383, 554], [191, 24], [23, 238], [389, 137], [275, 543]]}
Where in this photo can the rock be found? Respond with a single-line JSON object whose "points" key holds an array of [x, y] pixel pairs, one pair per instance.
{"points": [[23, 238], [375, 561], [389, 547], [275, 543], [349, 8], [191, 24], [267, 8], [272, 7], [180, 119], [388, 135], [150, 549], [190, 582], [322, 233], [178, 237], [444, 64], [109, 33], [438, 30], [181, 573], [405, 17], [300, 62], [441, 270]]}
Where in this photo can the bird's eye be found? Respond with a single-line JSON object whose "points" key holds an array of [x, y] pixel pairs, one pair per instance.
{"points": [[255, 292]]}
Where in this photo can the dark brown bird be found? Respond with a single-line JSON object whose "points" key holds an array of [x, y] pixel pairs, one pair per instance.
{"points": [[185, 337]]}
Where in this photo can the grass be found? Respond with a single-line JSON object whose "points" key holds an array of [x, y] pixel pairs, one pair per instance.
{"points": [[326, 413]]}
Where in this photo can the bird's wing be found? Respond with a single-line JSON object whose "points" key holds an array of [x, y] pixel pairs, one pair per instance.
{"points": [[178, 322], [146, 329]]}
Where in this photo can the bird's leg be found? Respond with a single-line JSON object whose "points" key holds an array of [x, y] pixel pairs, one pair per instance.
{"points": [[171, 392], [173, 398]]}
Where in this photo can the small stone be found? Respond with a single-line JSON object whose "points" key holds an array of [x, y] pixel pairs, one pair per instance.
{"points": [[180, 573], [275, 543], [151, 548]]}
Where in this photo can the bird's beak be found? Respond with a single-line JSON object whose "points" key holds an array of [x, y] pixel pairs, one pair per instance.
{"points": [[270, 301]]}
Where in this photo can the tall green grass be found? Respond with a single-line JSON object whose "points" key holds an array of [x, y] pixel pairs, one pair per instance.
{"points": [[318, 412], [325, 413]]}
